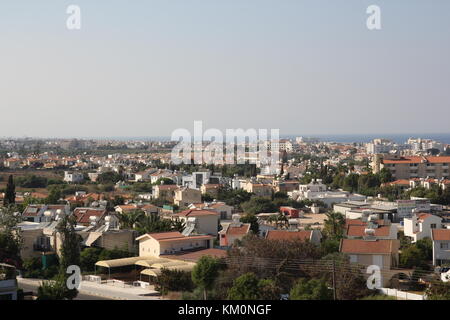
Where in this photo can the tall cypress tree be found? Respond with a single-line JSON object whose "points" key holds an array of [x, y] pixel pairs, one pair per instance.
{"points": [[10, 193]]}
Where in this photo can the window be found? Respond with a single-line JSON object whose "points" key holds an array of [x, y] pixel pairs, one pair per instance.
{"points": [[433, 226], [444, 245]]}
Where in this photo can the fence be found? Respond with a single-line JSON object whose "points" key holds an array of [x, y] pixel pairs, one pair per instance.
{"points": [[402, 294]]}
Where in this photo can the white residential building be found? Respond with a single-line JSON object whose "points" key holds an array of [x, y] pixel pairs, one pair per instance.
{"points": [[73, 177], [421, 225], [441, 246]]}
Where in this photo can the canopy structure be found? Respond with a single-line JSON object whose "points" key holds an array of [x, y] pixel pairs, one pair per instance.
{"points": [[151, 272], [91, 238], [157, 271], [168, 264], [149, 262], [120, 262]]}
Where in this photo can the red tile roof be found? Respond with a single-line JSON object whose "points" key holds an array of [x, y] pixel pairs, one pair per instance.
{"points": [[238, 230], [358, 231], [359, 222], [367, 246], [424, 216], [83, 214], [165, 235], [441, 234], [400, 182]]}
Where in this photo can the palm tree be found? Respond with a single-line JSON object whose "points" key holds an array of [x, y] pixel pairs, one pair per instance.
{"points": [[280, 220], [334, 224], [153, 223], [129, 220]]}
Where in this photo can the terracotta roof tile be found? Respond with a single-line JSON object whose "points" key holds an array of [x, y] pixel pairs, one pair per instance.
{"points": [[441, 234], [368, 246]]}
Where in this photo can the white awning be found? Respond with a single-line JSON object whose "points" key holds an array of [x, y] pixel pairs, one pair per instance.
{"points": [[160, 265], [120, 262], [149, 262], [91, 238]]}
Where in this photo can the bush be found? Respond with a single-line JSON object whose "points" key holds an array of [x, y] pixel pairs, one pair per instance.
{"points": [[31, 181], [33, 269], [249, 287], [313, 289], [88, 258], [173, 280]]}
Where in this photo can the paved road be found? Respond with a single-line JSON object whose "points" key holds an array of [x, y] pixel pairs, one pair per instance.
{"points": [[81, 296]]}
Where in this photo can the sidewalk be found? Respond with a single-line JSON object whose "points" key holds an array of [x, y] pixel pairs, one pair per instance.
{"points": [[106, 291]]}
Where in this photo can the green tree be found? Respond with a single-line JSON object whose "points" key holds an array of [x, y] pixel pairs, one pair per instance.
{"points": [[413, 256], [109, 177], [258, 205], [88, 258], [10, 240], [130, 219], [173, 280], [253, 220], [313, 289], [53, 196], [32, 181], [70, 253], [205, 272], [154, 223], [164, 181], [350, 182], [53, 290], [385, 175], [245, 287], [329, 246], [10, 192], [334, 225], [350, 282]]}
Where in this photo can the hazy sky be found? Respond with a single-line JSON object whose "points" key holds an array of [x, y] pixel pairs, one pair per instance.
{"points": [[145, 68]]}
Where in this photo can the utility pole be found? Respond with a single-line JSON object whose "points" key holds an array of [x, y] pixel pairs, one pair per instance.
{"points": [[334, 280]]}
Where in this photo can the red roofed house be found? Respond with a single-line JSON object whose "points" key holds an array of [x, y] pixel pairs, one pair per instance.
{"points": [[441, 246], [314, 236], [169, 243], [420, 225], [222, 208], [88, 216], [206, 221], [403, 184], [236, 230], [383, 253], [358, 229]]}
